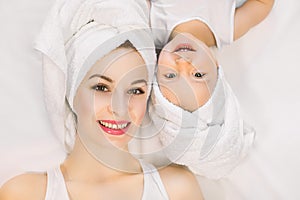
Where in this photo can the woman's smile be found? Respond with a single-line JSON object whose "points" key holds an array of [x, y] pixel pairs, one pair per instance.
{"points": [[114, 127]]}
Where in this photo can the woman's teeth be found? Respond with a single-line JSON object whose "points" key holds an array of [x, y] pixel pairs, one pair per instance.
{"points": [[113, 126]]}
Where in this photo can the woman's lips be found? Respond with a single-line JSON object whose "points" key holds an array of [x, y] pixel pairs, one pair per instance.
{"points": [[114, 127]]}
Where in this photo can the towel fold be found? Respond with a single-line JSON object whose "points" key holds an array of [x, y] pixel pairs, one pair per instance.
{"points": [[211, 140], [240, 2], [74, 36]]}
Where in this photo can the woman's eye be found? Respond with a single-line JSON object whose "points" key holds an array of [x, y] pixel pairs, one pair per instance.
{"points": [[136, 91], [170, 75], [102, 88], [198, 75]]}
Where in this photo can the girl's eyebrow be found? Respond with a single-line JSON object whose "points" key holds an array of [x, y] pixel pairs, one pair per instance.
{"points": [[101, 76], [139, 81]]}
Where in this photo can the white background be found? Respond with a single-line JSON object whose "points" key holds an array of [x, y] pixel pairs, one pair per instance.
{"points": [[263, 69]]}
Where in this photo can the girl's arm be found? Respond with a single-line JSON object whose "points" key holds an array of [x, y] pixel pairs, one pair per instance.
{"points": [[251, 13]]}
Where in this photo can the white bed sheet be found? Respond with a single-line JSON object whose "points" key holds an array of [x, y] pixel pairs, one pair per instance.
{"points": [[262, 67]]}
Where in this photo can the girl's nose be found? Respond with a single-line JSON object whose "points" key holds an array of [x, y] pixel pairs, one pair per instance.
{"points": [[187, 98], [183, 58]]}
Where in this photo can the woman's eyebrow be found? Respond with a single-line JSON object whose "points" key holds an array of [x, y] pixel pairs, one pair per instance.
{"points": [[139, 81], [101, 76]]}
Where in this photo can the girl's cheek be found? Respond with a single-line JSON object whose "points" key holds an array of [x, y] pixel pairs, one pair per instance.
{"points": [[169, 94]]}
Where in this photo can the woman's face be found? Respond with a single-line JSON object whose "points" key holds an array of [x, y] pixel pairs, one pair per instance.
{"points": [[110, 103], [187, 72]]}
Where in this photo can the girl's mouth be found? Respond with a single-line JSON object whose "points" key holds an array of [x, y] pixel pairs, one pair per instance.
{"points": [[114, 127], [184, 47]]}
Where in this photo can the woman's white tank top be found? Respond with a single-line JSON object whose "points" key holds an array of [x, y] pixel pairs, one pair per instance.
{"points": [[153, 186]]}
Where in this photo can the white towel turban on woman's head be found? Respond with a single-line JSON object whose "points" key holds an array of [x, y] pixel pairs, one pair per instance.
{"points": [[75, 35]]}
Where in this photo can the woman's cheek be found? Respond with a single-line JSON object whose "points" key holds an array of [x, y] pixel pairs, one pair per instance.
{"points": [[137, 109], [100, 102], [83, 103]]}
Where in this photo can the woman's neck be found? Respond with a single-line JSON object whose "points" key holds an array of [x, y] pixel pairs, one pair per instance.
{"points": [[83, 165]]}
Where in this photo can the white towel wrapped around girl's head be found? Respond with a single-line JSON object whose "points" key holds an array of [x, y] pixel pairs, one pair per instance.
{"points": [[211, 139]]}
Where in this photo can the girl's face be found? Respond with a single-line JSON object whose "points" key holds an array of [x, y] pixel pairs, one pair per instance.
{"points": [[187, 72], [110, 103]]}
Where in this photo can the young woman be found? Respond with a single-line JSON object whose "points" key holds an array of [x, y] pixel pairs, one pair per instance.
{"points": [[107, 92], [98, 72]]}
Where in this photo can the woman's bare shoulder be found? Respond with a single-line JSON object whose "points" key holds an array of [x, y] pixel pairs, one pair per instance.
{"points": [[25, 186], [180, 183]]}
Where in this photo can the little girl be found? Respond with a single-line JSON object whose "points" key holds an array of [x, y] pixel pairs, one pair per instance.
{"points": [[193, 106]]}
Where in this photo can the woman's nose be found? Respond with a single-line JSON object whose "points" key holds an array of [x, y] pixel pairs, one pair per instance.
{"points": [[119, 104]]}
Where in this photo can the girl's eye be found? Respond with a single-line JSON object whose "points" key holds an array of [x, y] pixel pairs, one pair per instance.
{"points": [[170, 75], [136, 91], [198, 75], [101, 88]]}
